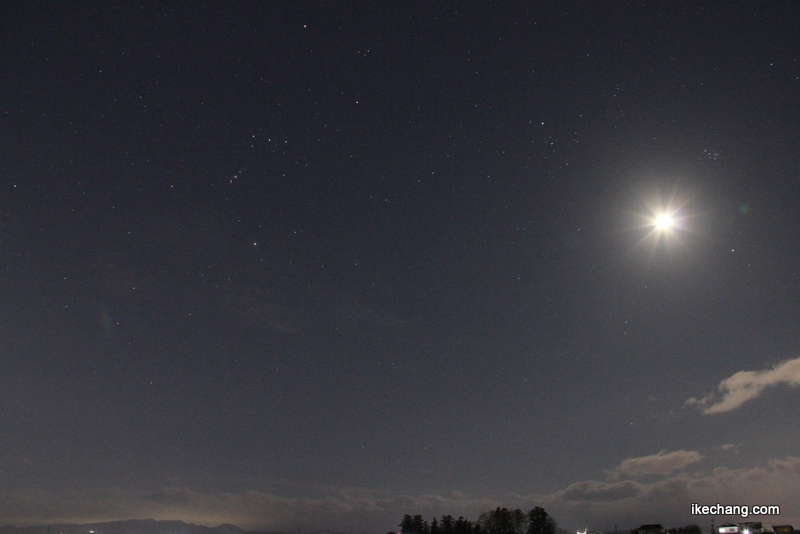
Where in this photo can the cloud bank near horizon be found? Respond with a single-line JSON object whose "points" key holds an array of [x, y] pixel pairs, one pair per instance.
{"points": [[667, 500], [745, 386], [665, 497]]}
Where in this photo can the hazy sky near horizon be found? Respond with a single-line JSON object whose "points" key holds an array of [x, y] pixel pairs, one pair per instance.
{"points": [[301, 265]]}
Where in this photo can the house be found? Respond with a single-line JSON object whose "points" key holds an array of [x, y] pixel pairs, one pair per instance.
{"points": [[650, 529], [728, 528]]}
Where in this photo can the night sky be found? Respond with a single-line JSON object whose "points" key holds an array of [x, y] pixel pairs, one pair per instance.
{"points": [[301, 265]]}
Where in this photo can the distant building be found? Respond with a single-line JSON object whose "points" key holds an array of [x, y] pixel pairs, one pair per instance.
{"points": [[650, 529], [728, 528], [783, 529]]}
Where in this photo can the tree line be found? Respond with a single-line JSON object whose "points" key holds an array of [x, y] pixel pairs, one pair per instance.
{"points": [[497, 521]]}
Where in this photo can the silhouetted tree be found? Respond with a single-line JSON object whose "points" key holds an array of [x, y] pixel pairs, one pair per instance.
{"points": [[414, 525], [539, 522], [503, 521], [420, 526], [463, 526], [447, 524], [497, 521], [406, 525]]}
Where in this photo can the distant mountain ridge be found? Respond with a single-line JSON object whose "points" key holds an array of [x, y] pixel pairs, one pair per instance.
{"points": [[130, 526]]}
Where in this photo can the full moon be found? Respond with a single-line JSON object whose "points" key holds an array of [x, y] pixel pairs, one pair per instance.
{"points": [[663, 222]]}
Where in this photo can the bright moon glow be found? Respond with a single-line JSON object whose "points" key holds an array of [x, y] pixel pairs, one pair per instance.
{"points": [[663, 222]]}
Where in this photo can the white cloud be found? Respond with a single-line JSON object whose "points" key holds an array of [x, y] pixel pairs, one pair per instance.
{"points": [[661, 463], [668, 499], [747, 385]]}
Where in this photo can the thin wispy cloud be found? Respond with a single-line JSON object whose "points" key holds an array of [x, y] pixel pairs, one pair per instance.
{"points": [[593, 491], [344, 509], [666, 497], [745, 386], [661, 463]]}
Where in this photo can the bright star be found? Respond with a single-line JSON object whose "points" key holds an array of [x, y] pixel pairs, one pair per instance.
{"points": [[665, 225]]}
